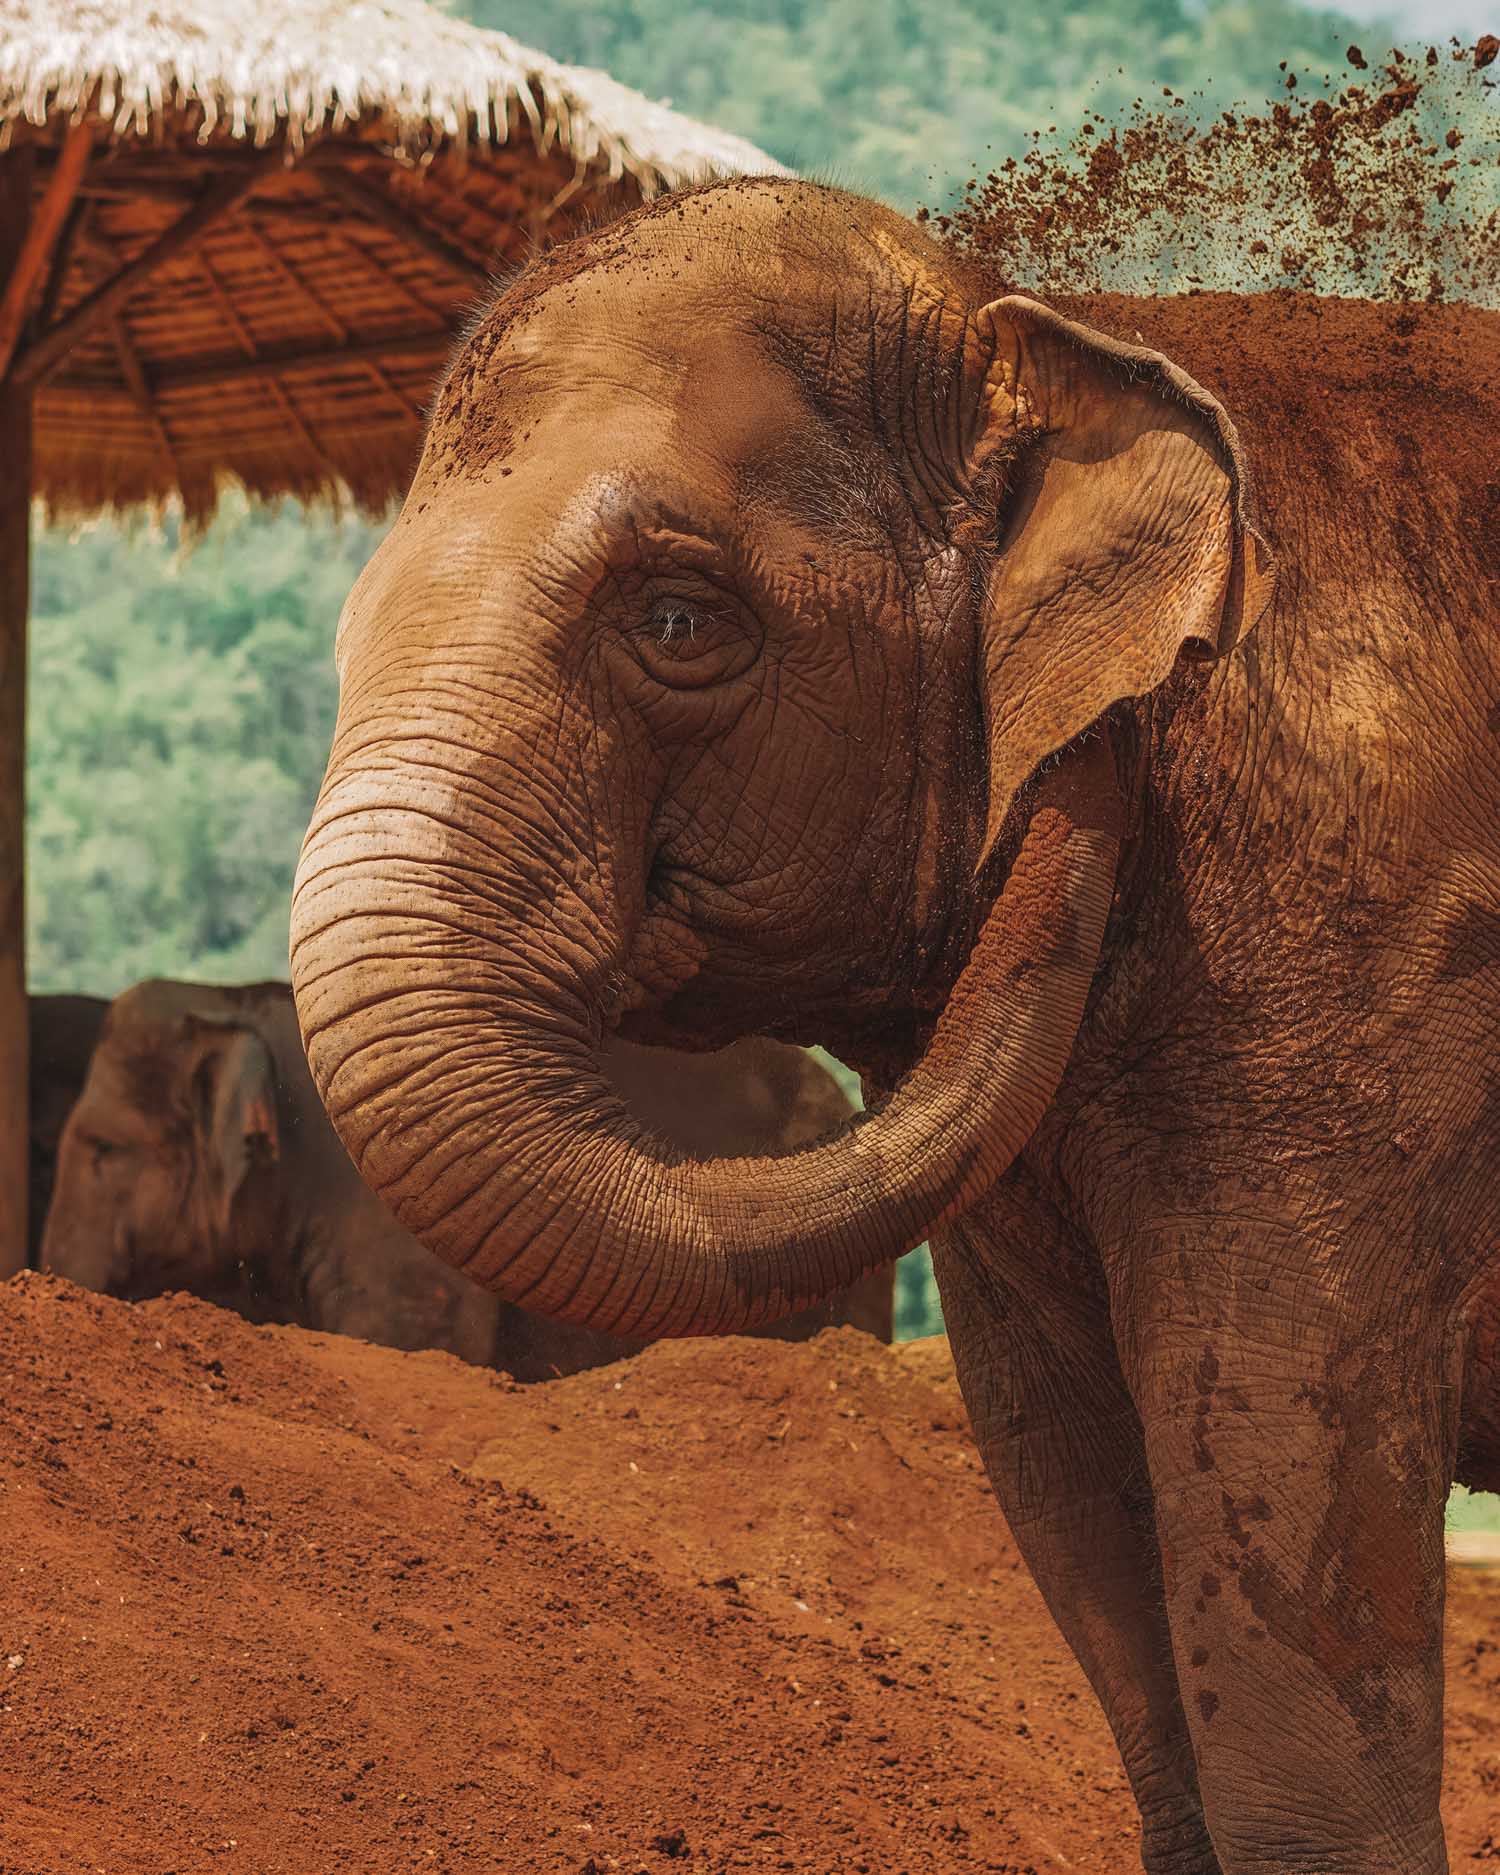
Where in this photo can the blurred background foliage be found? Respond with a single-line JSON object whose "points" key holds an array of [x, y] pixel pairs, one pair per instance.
{"points": [[906, 98], [182, 702], [182, 709]]}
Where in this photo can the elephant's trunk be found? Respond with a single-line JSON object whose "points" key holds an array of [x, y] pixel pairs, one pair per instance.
{"points": [[468, 1088]]}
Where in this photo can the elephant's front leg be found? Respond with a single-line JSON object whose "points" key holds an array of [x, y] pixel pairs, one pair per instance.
{"points": [[1297, 1420], [1031, 1338]]}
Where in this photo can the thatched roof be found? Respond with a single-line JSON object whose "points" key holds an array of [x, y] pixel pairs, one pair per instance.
{"points": [[399, 66], [353, 174]]}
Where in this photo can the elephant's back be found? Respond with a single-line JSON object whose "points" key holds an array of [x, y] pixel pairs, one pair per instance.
{"points": [[1326, 801], [1255, 350], [1353, 394]]}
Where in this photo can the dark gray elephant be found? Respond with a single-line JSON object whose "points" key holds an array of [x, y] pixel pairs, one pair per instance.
{"points": [[64, 1030], [198, 1158], [792, 629]]}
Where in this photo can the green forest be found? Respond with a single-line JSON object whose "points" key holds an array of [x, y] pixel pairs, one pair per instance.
{"points": [[907, 98], [182, 705], [182, 700]]}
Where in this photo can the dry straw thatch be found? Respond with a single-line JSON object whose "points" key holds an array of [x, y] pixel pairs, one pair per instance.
{"points": [[423, 77], [284, 212]]}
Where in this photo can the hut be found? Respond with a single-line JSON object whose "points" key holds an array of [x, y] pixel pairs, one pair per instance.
{"points": [[235, 245]]}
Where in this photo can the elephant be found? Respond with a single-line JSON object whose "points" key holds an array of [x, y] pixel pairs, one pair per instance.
{"points": [[197, 1157], [790, 628]]}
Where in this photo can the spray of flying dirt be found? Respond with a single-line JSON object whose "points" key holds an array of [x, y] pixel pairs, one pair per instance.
{"points": [[1385, 185]]}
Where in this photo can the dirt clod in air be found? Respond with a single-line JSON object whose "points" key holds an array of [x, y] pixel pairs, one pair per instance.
{"points": [[1383, 186]]}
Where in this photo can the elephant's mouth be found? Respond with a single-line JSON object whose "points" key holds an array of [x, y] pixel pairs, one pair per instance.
{"points": [[699, 983]]}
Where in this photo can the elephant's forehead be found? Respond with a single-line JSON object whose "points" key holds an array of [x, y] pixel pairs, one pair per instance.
{"points": [[665, 281], [674, 380], [651, 331]]}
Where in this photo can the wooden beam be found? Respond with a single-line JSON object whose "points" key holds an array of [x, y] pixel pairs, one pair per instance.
{"points": [[373, 204], [278, 264], [279, 361], [75, 229], [355, 237], [181, 189], [133, 166], [15, 598], [276, 390], [294, 277], [45, 353], [133, 373], [28, 268], [291, 209]]}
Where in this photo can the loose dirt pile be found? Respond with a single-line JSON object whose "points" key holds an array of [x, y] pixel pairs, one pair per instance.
{"points": [[284, 1604]]}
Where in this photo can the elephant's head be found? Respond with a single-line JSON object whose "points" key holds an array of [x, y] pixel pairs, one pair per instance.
{"points": [[737, 663], [177, 1113]]}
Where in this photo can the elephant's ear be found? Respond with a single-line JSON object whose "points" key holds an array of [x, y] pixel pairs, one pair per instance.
{"points": [[1124, 537], [235, 1088]]}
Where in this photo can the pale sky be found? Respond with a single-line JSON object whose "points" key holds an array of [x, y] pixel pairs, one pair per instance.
{"points": [[1431, 19]]}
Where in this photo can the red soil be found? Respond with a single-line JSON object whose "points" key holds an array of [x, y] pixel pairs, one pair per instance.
{"points": [[284, 1604]]}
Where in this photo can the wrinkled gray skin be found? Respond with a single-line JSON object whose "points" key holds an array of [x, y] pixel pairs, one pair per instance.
{"points": [[199, 1158]]}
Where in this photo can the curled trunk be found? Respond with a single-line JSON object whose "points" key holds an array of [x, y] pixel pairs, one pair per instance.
{"points": [[468, 1087]]}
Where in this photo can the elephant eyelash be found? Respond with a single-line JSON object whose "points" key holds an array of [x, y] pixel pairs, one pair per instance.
{"points": [[690, 630], [673, 620]]}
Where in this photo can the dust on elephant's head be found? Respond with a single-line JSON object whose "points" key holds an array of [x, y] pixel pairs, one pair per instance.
{"points": [[177, 1110], [756, 561]]}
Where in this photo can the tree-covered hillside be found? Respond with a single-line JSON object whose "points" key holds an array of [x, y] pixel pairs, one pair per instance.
{"points": [[905, 98], [181, 711]]}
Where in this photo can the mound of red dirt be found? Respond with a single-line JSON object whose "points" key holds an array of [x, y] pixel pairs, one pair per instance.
{"points": [[276, 1602]]}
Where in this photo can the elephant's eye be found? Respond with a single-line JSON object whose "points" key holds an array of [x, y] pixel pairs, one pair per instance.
{"points": [[673, 619], [689, 639]]}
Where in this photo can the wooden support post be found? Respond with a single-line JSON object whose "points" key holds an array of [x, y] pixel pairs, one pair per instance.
{"points": [[15, 595]]}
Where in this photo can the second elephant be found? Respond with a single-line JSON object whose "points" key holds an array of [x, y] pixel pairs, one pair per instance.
{"points": [[198, 1157], [63, 1031]]}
